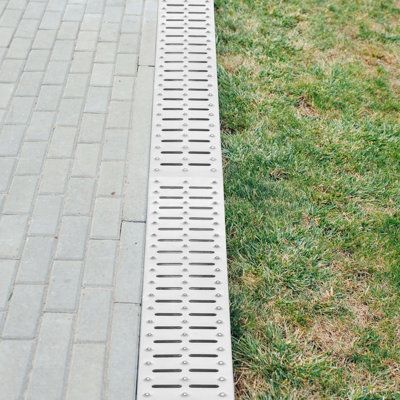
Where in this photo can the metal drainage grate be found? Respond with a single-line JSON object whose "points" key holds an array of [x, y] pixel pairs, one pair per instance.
{"points": [[185, 348]]}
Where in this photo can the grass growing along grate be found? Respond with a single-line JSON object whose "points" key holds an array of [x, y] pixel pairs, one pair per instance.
{"points": [[310, 109]]}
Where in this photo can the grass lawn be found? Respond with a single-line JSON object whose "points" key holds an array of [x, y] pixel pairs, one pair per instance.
{"points": [[310, 108]]}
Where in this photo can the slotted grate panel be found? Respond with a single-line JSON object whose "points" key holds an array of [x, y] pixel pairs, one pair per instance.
{"points": [[185, 348]]}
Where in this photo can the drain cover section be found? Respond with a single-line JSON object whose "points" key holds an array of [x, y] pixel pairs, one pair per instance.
{"points": [[185, 347]]}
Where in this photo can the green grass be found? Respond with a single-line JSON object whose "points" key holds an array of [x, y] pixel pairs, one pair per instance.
{"points": [[310, 110]]}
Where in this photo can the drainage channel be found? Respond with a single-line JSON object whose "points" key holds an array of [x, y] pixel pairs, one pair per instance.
{"points": [[185, 345]]}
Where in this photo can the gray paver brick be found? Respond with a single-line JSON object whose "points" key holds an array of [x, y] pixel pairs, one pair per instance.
{"points": [[102, 74], [111, 178], [54, 176], [29, 84], [7, 272], [128, 43], [2, 319], [34, 10], [126, 64], [122, 361], [48, 97], [62, 142], [64, 286], [62, 50], [93, 315], [31, 158], [109, 32], [74, 12], [14, 362], [69, 112], [45, 215], [44, 39], [19, 48], [10, 70], [119, 114], [113, 14], [23, 312], [27, 28], [50, 363], [134, 7], [6, 167], [20, 110], [82, 61], [86, 372], [78, 199], [20, 196], [50, 20], [10, 18], [115, 144], [76, 85], [37, 60], [35, 260], [130, 263], [131, 24], [91, 127], [40, 126], [106, 52], [91, 22], [56, 5], [6, 90], [86, 159], [106, 218], [72, 238], [100, 262], [56, 72], [5, 36], [95, 6], [10, 139], [122, 88], [86, 41], [12, 232], [68, 30], [97, 99]]}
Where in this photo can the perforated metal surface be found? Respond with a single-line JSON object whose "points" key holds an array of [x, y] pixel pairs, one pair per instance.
{"points": [[185, 348]]}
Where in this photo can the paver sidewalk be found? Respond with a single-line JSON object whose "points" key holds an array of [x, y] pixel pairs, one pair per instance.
{"points": [[76, 79]]}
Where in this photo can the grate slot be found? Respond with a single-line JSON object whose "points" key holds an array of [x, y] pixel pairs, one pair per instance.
{"points": [[185, 348]]}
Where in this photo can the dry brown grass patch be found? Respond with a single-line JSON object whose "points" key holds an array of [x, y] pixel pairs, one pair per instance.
{"points": [[247, 381], [305, 108], [331, 336]]}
